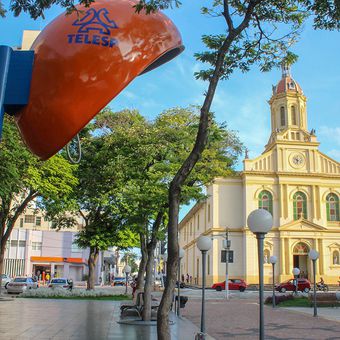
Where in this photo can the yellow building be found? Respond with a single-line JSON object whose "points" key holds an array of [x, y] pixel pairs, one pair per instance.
{"points": [[293, 180]]}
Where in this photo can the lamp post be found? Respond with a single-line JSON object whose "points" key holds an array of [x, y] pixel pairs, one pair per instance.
{"points": [[180, 256], [296, 273], [226, 246], [127, 271], [204, 243], [314, 255], [260, 221], [273, 260]]}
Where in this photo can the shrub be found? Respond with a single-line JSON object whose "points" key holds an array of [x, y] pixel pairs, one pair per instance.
{"points": [[60, 293], [278, 299]]}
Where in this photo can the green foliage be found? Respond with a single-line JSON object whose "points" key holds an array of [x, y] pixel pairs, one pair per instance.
{"points": [[98, 198], [130, 258], [24, 178], [145, 156]]}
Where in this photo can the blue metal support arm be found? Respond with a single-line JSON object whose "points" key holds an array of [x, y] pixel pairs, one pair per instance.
{"points": [[15, 80]]}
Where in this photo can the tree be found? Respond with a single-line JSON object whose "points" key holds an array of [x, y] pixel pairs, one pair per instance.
{"points": [[98, 198], [130, 258], [149, 154], [25, 179], [256, 32]]}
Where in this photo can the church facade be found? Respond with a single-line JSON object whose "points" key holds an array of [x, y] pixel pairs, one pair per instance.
{"points": [[294, 181]]}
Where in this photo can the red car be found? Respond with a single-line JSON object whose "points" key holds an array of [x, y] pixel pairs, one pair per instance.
{"points": [[303, 286], [233, 284]]}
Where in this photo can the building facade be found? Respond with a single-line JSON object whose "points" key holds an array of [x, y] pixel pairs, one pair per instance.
{"points": [[294, 181]]}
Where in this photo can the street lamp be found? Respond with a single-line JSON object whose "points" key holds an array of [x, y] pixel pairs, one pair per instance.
{"points": [[296, 273], [180, 256], [226, 246], [314, 255], [273, 260], [204, 243], [260, 221], [127, 271]]}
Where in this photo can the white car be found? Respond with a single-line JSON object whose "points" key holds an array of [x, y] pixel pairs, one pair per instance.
{"points": [[5, 280], [21, 284], [60, 283]]}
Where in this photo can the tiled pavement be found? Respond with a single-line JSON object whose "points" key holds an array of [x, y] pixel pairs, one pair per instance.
{"points": [[75, 319], [238, 319]]}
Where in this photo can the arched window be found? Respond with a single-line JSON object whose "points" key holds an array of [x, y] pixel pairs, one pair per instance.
{"points": [[282, 116], [336, 259], [299, 205], [266, 256], [332, 207], [293, 115], [266, 201], [300, 249]]}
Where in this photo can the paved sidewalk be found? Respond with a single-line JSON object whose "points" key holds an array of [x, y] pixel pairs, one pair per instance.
{"points": [[77, 319], [328, 313], [238, 319]]}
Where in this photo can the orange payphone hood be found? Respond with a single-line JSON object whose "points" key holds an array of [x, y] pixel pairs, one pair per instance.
{"points": [[82, 62]]}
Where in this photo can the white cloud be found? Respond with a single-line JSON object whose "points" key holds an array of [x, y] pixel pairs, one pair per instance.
{"points": [[331, 133]]}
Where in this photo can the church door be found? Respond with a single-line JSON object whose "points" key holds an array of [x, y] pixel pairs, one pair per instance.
{"points": [[300, 258]]}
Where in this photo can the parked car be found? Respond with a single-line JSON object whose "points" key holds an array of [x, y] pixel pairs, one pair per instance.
{"points": [[5, 280], [21, 284], [233, 284], [119, 281], [303, 286], [61, 283]]}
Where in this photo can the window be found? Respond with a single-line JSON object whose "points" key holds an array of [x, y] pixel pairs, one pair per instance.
{"points": [[336, 259], [266, 201], [300, 249], [29, 218], [21, 222], [38, 221], [190, 228], [75, 248], [36, 245], [293, 115], [266, 256], [282, 116], [332, 207], [14, 243], [198, 222], [299, 205], [208, 212]]}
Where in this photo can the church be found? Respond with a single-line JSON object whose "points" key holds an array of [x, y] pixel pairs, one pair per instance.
{"points": [[294, 181]]}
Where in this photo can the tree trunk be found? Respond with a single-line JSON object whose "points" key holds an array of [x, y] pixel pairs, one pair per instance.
{"points": [[93, 257], [7, 224], [2, 260], [163, 330], [146, 314], [142, 264]]}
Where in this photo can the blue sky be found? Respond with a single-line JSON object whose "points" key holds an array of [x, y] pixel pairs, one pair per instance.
{"points": [[240, 101]]}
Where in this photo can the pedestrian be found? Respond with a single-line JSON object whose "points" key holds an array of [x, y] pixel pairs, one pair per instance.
{"points": [[190, 279], [187, 278], [182, 277], [48, 277], [44, 277]]}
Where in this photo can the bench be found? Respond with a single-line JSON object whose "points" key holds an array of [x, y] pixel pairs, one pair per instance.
{"points": [[324, 299], [138, 304]]}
